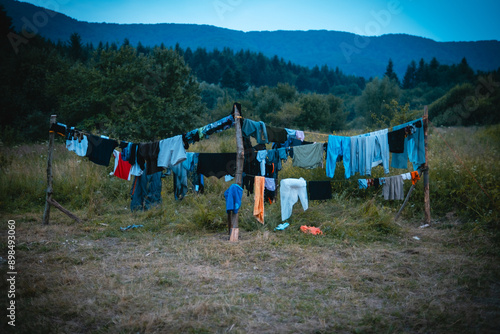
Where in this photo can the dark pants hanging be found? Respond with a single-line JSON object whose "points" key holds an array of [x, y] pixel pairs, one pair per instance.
{"points": [[145, 192]]}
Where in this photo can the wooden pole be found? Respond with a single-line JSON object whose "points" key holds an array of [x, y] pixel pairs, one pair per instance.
{"points": [[240, 159], [427, 202], [48, 195]]}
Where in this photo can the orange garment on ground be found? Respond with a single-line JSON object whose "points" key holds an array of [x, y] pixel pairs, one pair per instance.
{"points": [[258, 208], [310, 229], [414, 177]]}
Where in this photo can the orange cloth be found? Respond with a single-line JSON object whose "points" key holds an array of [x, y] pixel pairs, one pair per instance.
{"points": [[258, 208], [310, 229], [414, 177]]}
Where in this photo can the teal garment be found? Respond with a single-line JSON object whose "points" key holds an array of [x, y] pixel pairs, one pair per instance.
{"points": [[414, 147], [338, 146], [281, 227], [233, 197], [180, 172], [363, 183], [308, 156], [369, 150], [255, 129]]}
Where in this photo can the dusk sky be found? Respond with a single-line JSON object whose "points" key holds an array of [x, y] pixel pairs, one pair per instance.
{"points": [[442, 21]]}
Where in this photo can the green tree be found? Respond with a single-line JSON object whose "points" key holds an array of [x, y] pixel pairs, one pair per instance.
{"points": [[337, 113], [287, 116], [286, 92], [5, 28], [389, 72], [75, 47], [409, 79], [315, 113], [129, 96], [376, 94]]}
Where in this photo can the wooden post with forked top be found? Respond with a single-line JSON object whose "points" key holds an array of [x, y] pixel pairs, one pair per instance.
{"points": [[240, 159], [427, 201], [48, 196], [424, 169]]}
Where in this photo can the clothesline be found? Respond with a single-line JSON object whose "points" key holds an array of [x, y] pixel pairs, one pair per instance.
{"points": [[353, 150], [360, 153], [190, 136]]}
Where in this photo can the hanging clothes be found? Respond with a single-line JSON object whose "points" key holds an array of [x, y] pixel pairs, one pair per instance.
{"points": [[256, 130], [414, 147], [217, 126], [396, 140], [100, 149], [145, 192], [291, 191], [283, 156], [393, 188], [300, 135], [122, 167], [171, 152], [58, 128], [233, 197], [291, 133], [180, 175], [149, 154], [275, 157], [216, 164], [270, 183], [369, 150], [77, 143], [414, 177], [320, 190], [363, 183], [261, 158], [258, 209], [308, 156], [130, 155], [276, 135], [270, 190], [251, 166], [339, 148]]}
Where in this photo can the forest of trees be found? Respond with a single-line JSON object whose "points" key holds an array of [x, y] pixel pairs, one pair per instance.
{"points": [[145, 93]]}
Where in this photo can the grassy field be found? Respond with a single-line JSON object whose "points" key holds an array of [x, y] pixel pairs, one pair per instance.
{"points": [[180, 274]]}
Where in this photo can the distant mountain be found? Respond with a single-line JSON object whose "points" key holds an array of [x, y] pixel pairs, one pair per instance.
{"points": [[353, 54]]}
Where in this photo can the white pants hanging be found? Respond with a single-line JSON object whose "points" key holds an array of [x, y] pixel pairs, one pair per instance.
{"points": [[292, 190]]}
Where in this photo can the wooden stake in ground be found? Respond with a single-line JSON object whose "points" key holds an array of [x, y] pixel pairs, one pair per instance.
{"points": [[48, 196], [427, 202], [240, 159]]}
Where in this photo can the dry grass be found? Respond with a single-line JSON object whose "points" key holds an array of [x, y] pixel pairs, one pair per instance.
{"points": [[79, 279], [180, 274]]}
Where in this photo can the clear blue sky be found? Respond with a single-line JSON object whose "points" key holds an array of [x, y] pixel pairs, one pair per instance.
{"points": [[457, 20]]}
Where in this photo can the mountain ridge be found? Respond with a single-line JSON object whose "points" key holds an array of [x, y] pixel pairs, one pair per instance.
{"points": [[353, 54]]}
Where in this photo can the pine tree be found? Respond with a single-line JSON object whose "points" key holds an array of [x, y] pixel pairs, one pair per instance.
{"points": [[389, 72], [409, 78], [75, 47]]}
